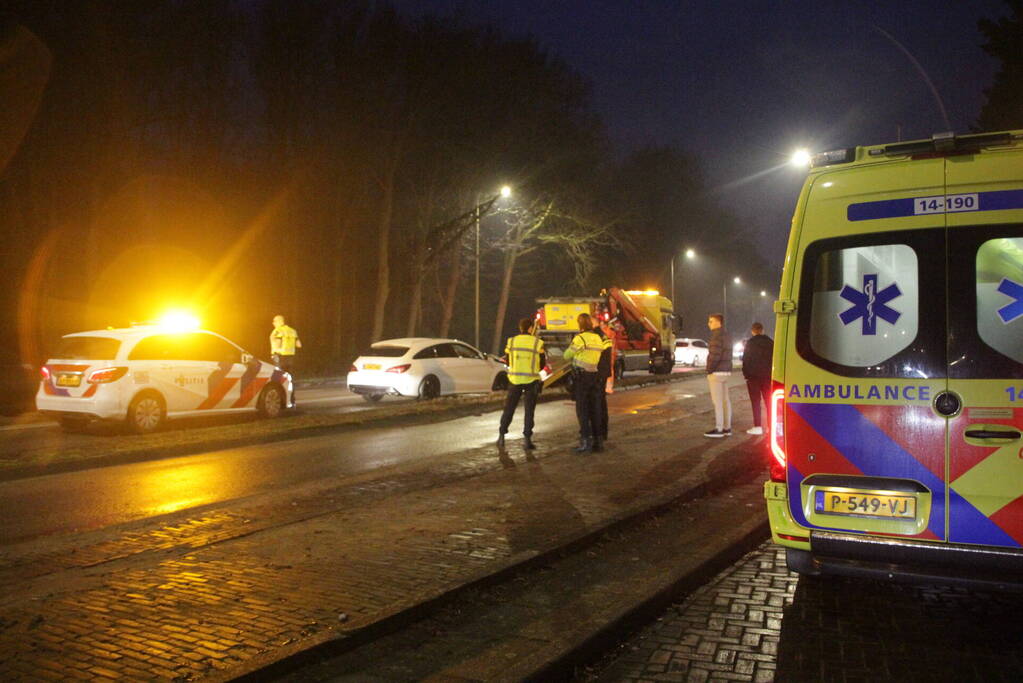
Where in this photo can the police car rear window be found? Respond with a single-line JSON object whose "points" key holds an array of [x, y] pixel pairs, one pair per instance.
{"points": [[88, 348], [388, 351]]}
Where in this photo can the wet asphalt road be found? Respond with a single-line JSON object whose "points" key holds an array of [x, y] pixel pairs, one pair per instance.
{"points": [[99, 497]]}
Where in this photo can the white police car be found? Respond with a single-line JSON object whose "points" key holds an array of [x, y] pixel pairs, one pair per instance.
{"points": [[147, 374]]}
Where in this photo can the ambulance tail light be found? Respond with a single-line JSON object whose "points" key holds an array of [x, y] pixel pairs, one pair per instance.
{"points": [[398, 369], [777, 436], [106, 375], [353, 368], [44, 373]]}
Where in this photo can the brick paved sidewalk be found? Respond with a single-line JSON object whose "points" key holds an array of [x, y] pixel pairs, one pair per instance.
{"points": [[235, 588]]}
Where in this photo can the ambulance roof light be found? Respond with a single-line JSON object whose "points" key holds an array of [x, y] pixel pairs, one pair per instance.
{"points": [[835, 156]]}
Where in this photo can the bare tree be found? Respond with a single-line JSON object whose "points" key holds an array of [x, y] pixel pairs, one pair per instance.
{"points": [[540, 224]]}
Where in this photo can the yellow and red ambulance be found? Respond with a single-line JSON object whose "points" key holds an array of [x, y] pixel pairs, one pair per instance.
{"points": [[897, 400]]}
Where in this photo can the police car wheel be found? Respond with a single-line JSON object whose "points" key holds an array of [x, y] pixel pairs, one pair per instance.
{"points": [[429, 388], [271, 401], [500, 382], [146, 413], [372, 398]]}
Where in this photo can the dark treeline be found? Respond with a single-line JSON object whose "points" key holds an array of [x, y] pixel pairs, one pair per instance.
{"points": [[322, 160]]}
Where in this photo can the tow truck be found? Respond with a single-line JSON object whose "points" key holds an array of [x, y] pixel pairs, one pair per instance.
{"points": [[643, 322]]}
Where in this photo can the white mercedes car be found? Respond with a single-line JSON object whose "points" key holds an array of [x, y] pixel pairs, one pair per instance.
{"points": [[147, 374], [692, 352], [425, 368]]}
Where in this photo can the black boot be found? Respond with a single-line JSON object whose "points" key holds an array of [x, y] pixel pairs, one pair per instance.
{"points": [[528, 444], [585, 445], [597, 446], [500, 440]]}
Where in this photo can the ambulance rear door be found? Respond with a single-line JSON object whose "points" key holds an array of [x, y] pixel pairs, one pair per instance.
{"points": [[984, 210], [866, 452]]}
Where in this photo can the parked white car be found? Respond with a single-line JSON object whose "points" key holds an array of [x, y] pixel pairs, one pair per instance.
{"points": [[692, 352], [425, 368], [147, 374]]}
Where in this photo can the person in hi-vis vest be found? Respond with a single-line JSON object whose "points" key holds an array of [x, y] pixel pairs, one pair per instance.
{"points": [[584, 352], [526, 356], [283, 343]]}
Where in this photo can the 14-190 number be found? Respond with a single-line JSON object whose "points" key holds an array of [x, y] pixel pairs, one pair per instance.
{"points": [[945, 204]]}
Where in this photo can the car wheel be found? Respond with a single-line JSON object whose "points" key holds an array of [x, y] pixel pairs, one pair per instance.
{"points": [[73, 425], [569, 384], [271, 401], [429, 388], [372, 398], [146, 413], [500, 382], [801, 562]]}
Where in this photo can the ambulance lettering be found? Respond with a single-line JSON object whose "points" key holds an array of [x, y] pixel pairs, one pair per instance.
{"points": [[891, 392], [870, 304]]}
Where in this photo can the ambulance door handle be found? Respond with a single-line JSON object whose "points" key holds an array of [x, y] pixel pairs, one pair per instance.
{"points": [[1008, 434]]}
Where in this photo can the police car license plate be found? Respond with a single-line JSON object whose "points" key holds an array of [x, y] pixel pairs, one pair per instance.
{"points": [[69, 380], [371, 366], [860, 504]]}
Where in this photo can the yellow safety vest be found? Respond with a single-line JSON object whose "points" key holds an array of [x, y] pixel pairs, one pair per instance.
{"points": [[523, 351], [585, 351], [283, 340]]}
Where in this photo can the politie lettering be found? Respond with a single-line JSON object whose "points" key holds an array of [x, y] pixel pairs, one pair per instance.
{"points": [[856, 392]]}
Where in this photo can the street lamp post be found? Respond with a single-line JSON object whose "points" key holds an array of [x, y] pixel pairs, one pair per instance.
{"points": [[477, 324], [724, 295], [505, 192], [690, 254]]}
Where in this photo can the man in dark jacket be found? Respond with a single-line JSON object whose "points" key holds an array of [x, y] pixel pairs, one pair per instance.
{"points": [[719, 369], [756, 368]]}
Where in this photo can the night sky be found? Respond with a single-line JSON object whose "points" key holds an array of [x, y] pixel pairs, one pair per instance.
{"points": [[743, 84]]}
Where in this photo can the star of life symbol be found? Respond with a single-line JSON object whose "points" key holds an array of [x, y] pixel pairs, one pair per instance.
{"points": [[1011, 311], [870, 304]]}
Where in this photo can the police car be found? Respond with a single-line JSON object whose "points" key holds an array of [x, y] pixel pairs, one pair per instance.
{"points": [[897, 397], [146, 374]]}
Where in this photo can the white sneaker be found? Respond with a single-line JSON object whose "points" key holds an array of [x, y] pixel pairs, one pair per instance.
{"points": [[755, 430]]}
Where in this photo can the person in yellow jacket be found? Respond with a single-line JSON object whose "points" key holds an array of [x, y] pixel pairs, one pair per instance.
{"points": [[283, 343], [584, 352], [526, 355]]}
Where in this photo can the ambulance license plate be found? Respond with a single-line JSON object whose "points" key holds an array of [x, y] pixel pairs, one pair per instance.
{"points": [[69, 380], [371, 366], [865, 504]]}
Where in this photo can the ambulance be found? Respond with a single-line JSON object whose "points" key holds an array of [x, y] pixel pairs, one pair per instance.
{"points": [[896, 431]]}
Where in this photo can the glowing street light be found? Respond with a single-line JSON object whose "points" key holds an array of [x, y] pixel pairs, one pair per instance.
{"points": [[690, 254], [800, 158], [737, 280]]}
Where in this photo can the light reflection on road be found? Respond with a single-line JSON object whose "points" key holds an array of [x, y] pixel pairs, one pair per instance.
{"points": [[99, 497]]}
